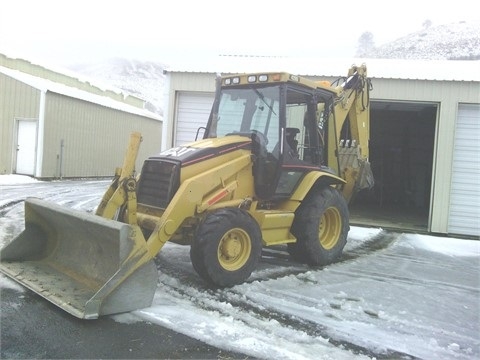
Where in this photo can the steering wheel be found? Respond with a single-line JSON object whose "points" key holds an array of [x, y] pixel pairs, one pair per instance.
{"points": [[260, 135]]}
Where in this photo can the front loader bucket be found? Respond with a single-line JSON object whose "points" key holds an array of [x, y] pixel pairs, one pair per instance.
{"points": [[85, 264]]}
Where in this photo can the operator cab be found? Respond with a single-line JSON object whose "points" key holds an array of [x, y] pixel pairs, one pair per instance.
{"points": [[286, 120]]}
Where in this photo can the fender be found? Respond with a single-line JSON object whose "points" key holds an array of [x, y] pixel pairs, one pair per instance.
{"points": [[313, 178]]}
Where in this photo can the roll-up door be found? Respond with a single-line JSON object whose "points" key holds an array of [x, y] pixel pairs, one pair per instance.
{"points": [[192, 112], [464, 211]]}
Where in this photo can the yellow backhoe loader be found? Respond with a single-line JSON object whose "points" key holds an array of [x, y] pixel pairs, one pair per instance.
{"points": [[279, 161]]}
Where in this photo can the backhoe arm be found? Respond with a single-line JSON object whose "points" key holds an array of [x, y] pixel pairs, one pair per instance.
{"points": [[352, 131], [352, 103]]}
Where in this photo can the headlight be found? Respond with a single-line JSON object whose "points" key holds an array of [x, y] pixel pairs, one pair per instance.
{"points": [[262, 78]]}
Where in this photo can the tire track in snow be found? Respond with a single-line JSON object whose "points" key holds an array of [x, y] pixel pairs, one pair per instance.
{"points": [[233, 303], [6, 207], [181, 282]]}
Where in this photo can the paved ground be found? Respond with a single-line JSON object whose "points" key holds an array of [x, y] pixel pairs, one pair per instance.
{"points": [[32, 328], [391, 296]]}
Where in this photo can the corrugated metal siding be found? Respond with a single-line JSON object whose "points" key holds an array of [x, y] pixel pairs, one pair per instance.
{"points": [[447, 94], [423, 90], [192, 81], [17, 101], [94, 137], [464, 207], [70, 80]]}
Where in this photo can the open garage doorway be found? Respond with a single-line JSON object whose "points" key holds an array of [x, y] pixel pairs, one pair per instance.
{"points": [[402, 137]]}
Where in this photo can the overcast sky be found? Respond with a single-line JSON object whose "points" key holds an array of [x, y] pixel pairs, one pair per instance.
{"points": [[60, 32]]}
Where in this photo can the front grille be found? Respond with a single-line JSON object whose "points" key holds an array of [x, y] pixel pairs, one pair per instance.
{"points": [[159, 182]]}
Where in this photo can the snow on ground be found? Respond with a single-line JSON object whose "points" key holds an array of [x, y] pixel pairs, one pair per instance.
{"points": [[16, 179], [392, 295], [400, 301]]}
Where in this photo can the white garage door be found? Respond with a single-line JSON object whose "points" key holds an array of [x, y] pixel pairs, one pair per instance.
{"points": [[464, 212], [192, 112]]}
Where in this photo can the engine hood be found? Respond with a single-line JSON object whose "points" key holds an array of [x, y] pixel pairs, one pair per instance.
{"points": [[202, 150]]}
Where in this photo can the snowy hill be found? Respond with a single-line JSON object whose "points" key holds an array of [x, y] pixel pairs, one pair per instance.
{"points": [[456, 41], [145, 79]]}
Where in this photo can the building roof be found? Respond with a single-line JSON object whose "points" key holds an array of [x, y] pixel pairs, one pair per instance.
{"points": [[447, 70], [51, 86]]}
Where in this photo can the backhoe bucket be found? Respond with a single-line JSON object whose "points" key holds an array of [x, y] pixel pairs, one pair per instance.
{"points": [[83, 263]]}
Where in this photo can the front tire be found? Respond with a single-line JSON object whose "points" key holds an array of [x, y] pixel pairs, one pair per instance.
{"points": [[321, 227], [227, 247]]}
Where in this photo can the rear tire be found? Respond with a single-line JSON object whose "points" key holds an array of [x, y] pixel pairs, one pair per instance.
{"points": [[227, 247], [321, 227]]}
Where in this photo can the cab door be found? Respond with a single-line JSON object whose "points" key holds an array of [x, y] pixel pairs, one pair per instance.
{"points": [[302, 146]]}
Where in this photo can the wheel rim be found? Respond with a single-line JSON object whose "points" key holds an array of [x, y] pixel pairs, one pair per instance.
{"points": [[234, 249], [330, 228]]}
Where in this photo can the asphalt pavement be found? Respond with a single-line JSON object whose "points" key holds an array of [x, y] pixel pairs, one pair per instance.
{"points": [[390, 296], [33, 328]]}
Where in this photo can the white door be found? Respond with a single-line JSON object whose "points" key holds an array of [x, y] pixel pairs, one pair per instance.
{"points": [[26, 146], [192, 113], [464, 211]]}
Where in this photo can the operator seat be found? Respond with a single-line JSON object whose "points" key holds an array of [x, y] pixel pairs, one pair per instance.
{"points": [[290, 136]]}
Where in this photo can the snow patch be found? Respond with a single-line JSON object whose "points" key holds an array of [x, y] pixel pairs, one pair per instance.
{"points": [[359, 235], [443, 245], [126, 318], [6, 283], [16, 179]]}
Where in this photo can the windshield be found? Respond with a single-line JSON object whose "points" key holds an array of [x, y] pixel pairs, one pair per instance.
{"points": [[243, 110]]}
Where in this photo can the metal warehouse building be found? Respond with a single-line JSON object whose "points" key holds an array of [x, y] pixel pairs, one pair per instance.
{"points": [[56, 126], [424, 142]]}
